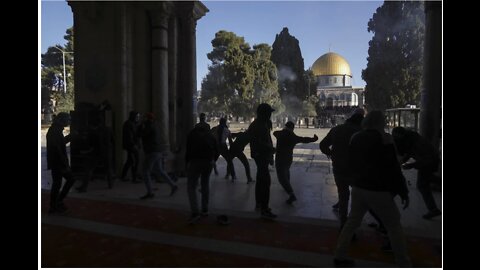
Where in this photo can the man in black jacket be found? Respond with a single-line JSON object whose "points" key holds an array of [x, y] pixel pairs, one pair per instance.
{"points": [[335, 146], [426, 160], [153, 148], [131, 144], [377, 179], [236, 150], [286, 141], [57, 161], [201, 151], [262, 151]]}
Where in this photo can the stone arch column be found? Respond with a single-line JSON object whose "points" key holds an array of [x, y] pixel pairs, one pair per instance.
{"points": [[160, 94], [431, 96], [187, 82], [172, 81], [139, 55]]}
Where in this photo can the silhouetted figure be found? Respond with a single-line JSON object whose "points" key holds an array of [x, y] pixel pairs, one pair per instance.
{"points": [[286, 141], [377, 178], [335, 146], [152, 148], [262, 151], [57, 161], [203, 122], [131, 144], [426, 160], [96, 153], [236, 150], [222, 134], [91, 154], [200, 155]]}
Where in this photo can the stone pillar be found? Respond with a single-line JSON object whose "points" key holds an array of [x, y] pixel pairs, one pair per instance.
{"points": [[125, 57], [190, 72], [186, 83], [431, 103], [159, 29], [125, 93], [172, 81], [188, 14]]}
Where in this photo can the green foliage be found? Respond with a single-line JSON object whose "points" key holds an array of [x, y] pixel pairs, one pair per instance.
{"points": [[395, 58], [213, 97], [65, 102], [69, 38], [287, 57], [239, 78], [238, 72], [52, 75], [310, 106], [265, 85], [222, 42], [311, 83]]}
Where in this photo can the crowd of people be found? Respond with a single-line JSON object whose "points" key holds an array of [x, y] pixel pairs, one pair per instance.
{"points": [[367, 166]]}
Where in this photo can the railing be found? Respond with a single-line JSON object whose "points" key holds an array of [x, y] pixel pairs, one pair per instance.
{"points": [[405, 117]]}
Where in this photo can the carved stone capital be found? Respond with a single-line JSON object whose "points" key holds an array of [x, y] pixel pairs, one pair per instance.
{"points": [[160, 13]]}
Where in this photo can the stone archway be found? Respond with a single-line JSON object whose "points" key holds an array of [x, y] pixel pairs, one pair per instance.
{"points": [[332, 100], [128, 53]]}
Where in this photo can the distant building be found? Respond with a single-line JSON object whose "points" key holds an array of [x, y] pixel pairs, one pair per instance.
{"points": [[334, 82]]}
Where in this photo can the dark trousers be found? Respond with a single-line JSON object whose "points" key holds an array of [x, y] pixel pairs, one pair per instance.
{"points": [[424, 178], [226, 155], [283, 174], [57, 196], [262, 186], [377, 218], [133, 158], [92, 163], [241, 156], [198, 169], [343, 183]]}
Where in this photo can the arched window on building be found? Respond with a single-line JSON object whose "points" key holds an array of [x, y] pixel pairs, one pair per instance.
{"points": [[332, 100], [354, 101]]}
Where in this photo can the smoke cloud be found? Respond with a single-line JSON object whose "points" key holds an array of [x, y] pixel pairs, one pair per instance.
{"points": [[286, 73]]}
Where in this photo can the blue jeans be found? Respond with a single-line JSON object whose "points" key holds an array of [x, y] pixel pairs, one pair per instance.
{"points": [[153, 163]]}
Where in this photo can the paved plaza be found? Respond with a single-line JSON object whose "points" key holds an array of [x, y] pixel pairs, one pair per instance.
{"points": [[311, 178]]}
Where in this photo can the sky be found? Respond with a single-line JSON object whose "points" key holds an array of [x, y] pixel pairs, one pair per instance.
{"points": [[319, 26]]}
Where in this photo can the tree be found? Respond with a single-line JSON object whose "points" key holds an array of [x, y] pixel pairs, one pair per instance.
{"points": [[239, 78], [52, 81], [212, 98], [287, 57], [239, 74], [395, 57], [310, 106], [222, 42], [265, 84], [229, 75], [310, 82]]}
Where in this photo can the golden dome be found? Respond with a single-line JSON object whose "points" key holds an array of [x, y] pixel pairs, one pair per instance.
{"points": [[331, 64]]}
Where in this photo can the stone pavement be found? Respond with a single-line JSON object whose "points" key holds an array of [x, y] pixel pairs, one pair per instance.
{"points": [[311, 179]]}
